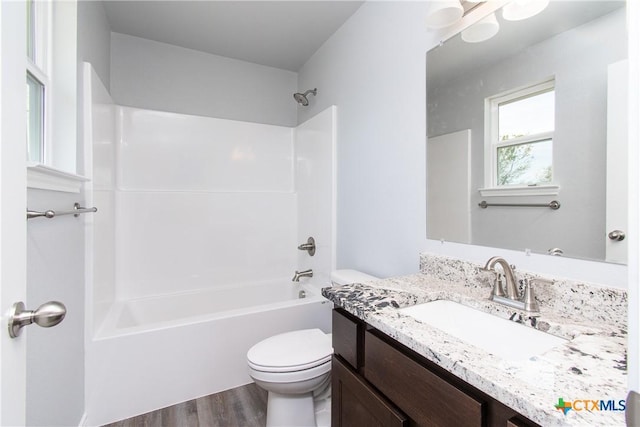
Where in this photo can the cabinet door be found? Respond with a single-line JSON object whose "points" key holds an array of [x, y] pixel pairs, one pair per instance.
{"points": [[425, 397], [355, 403], [348, 338]]}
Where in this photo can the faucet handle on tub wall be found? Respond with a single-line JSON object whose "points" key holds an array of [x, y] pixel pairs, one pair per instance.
{"points": [[310, 246]]}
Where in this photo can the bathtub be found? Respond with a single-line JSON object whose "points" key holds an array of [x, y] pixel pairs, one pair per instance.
{"points": [[158, 351]]}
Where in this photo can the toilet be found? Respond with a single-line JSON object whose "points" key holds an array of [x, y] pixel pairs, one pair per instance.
{"points": [[295, 369]]}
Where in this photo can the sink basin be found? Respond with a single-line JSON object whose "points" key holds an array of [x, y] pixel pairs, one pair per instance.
{"points": [[500, 337]]}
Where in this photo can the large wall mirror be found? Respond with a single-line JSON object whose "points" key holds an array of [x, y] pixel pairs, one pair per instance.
{"points": [[535, 114]]}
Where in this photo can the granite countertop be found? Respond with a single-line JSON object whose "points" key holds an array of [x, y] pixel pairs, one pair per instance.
{"points": [[590, 366]]}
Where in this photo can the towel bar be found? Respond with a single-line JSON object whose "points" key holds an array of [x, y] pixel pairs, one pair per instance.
{"points": [[77, 210]]}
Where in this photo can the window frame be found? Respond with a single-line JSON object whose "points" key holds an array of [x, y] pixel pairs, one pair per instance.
{"points": [[492, 142], [39, 67]]}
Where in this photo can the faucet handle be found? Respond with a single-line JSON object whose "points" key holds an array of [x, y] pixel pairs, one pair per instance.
{"points": [[529, 299], [542, 281], [498, 288]]}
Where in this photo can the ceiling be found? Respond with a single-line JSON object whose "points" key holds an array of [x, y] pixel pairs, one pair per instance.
{"points": [[280, 34]]}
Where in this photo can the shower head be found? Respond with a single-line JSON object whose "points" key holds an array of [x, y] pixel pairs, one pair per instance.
{"points": [[301, 98]]}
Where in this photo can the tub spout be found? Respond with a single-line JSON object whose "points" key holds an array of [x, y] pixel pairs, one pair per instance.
{"points": [[299, 274]]}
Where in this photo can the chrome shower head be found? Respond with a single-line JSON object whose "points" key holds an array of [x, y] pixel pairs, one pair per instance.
{"points": [[301, 98]]}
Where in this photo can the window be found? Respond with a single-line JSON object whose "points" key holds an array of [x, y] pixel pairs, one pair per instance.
{"points": [[519, 137], [37, 78], [50, 95]]}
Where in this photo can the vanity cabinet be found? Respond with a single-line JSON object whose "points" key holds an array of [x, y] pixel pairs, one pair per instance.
{"points": [[379, 382]]}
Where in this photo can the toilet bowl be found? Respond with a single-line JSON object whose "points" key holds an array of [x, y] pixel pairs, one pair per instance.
{"points": [[292, 367], [295, 369]]}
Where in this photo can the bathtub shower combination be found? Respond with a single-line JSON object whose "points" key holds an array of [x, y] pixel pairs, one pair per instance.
{"points": [[191, 257]]}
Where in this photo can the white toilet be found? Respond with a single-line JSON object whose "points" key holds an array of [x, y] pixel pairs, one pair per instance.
{"points": [[295, 368]]}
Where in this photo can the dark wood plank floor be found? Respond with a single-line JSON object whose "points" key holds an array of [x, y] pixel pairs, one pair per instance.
{"points": [[244, 406]]}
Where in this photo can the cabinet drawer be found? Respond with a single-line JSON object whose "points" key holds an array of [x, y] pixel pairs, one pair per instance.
{"points": [[424, 396], [355, 403], [517, 422], [348, 336]]}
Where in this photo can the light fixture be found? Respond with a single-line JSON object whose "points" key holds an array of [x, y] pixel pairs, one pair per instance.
{"points": [[482, 30], [442, 13], [518, 10]]}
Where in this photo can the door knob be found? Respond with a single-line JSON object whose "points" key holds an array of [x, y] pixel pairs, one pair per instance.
{"points": [[47, 315], [617, 235]]}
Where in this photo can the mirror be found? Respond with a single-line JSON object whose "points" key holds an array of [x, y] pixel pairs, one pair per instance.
{"points": [[573, 50]]}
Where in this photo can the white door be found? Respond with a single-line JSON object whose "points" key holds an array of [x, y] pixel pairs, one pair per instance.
{"points": [[12, 207], [617, 154]]}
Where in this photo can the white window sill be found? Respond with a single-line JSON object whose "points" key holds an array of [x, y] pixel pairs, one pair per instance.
{"points": [[47, 178], [535, 190]]}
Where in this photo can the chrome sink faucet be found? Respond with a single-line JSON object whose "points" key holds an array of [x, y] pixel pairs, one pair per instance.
{"points": [[527, 301], [299, 274], [510, 278]]}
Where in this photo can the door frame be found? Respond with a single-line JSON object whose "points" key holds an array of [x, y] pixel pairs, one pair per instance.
{"points": [[633, 272]]}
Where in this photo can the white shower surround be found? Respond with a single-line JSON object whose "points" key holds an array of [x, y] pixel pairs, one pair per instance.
{"points": [[191, 207]]}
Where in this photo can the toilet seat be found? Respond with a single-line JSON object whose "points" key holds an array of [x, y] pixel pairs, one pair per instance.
{"points": [[291, 352], [292, 376]]}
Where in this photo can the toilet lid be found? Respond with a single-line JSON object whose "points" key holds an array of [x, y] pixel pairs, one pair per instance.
{"points": [[291, 351]]}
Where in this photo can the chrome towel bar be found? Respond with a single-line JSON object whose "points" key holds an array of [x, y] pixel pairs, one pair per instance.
{"points": [[554, 204], [77, 210]]}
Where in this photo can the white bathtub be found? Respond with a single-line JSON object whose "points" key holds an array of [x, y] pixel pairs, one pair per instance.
{"points": [[144, 314], [159, 351]]}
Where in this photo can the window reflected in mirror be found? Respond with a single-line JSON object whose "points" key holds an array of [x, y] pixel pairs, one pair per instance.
{"points": [[523, 143]]}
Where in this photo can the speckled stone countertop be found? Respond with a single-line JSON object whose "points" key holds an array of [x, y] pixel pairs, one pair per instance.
{"points": [[590, 366]]}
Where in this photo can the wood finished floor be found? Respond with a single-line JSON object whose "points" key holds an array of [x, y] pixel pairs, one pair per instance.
{"points": [[244, 406]]}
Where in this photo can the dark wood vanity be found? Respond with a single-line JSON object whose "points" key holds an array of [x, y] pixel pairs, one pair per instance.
{"points": [[377, 381]]}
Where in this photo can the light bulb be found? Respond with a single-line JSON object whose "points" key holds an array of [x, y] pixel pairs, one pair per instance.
{"points": [[518, 10], [442, 13], [482, 30]]}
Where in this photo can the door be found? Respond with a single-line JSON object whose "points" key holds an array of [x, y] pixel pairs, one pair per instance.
{"points": [[617, 154], [12, 207]]}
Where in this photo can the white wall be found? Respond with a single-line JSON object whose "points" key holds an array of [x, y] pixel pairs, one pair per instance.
{"points": [[374, 69], [94, 38], [159, 76]]}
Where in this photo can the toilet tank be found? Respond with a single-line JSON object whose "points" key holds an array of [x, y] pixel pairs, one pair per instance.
{"points": [[344, 277]]}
